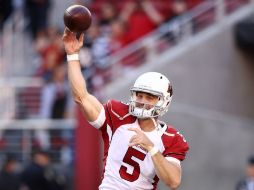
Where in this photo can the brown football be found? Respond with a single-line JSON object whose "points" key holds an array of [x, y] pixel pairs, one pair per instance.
{"points": [[77, 18]]}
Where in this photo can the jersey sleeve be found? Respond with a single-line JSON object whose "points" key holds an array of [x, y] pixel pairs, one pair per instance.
{"points": [[176, 148], [111, 116], [103, 119], [98, 123]]}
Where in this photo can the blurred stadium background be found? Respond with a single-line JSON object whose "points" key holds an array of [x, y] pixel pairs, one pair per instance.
{"points": [[204, 47]]}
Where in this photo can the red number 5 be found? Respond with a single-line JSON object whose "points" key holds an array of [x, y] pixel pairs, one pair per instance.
{"points": [[131, 152]]}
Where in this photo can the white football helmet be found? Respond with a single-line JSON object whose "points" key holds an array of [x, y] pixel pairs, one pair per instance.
{"points": [[156, 84]]}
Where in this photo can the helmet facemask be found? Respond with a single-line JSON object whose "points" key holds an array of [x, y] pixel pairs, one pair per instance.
{"points": [[146, 110]]}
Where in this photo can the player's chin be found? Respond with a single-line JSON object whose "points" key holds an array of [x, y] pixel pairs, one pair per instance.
{"points": [[145, 118]]}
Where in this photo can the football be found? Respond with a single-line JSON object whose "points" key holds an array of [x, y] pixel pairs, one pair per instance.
{"points": [[77, 18]]}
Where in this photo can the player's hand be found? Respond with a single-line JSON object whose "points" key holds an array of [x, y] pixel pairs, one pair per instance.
{"points": [[72, 45], [140, 139]]}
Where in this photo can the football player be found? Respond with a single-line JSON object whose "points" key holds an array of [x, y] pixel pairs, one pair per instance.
{"points": [[139, 149]]}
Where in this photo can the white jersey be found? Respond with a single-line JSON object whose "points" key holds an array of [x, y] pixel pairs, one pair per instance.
{"points": [[131, 168]]}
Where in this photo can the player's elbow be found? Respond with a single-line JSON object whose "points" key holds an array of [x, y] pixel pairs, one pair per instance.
{"points": [[77, 99], [174, 184], [80, 97]]}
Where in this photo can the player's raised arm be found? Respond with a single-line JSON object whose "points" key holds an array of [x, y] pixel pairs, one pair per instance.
{"points": [[90, 106]]}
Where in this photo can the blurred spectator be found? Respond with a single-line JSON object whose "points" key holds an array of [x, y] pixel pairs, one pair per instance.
{"points": [[178, 7], [87, 67], [56, 103], [86, 3], [5, 11], [193, 3], [9, 177], [49, 46], [118, 37], [108, 15], [247, 183], [37, 13], [40, 175], [99, 45], [141, 18]]}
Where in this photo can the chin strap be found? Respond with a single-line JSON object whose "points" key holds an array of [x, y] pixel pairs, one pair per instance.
{"points": [[156, 124]]}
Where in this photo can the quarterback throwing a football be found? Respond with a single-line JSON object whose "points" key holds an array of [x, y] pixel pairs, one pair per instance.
{"points": [[138, 148]]}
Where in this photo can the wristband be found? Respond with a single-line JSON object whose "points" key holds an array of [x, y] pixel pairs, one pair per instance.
{"points": [[153, 151], [73, 57]]}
